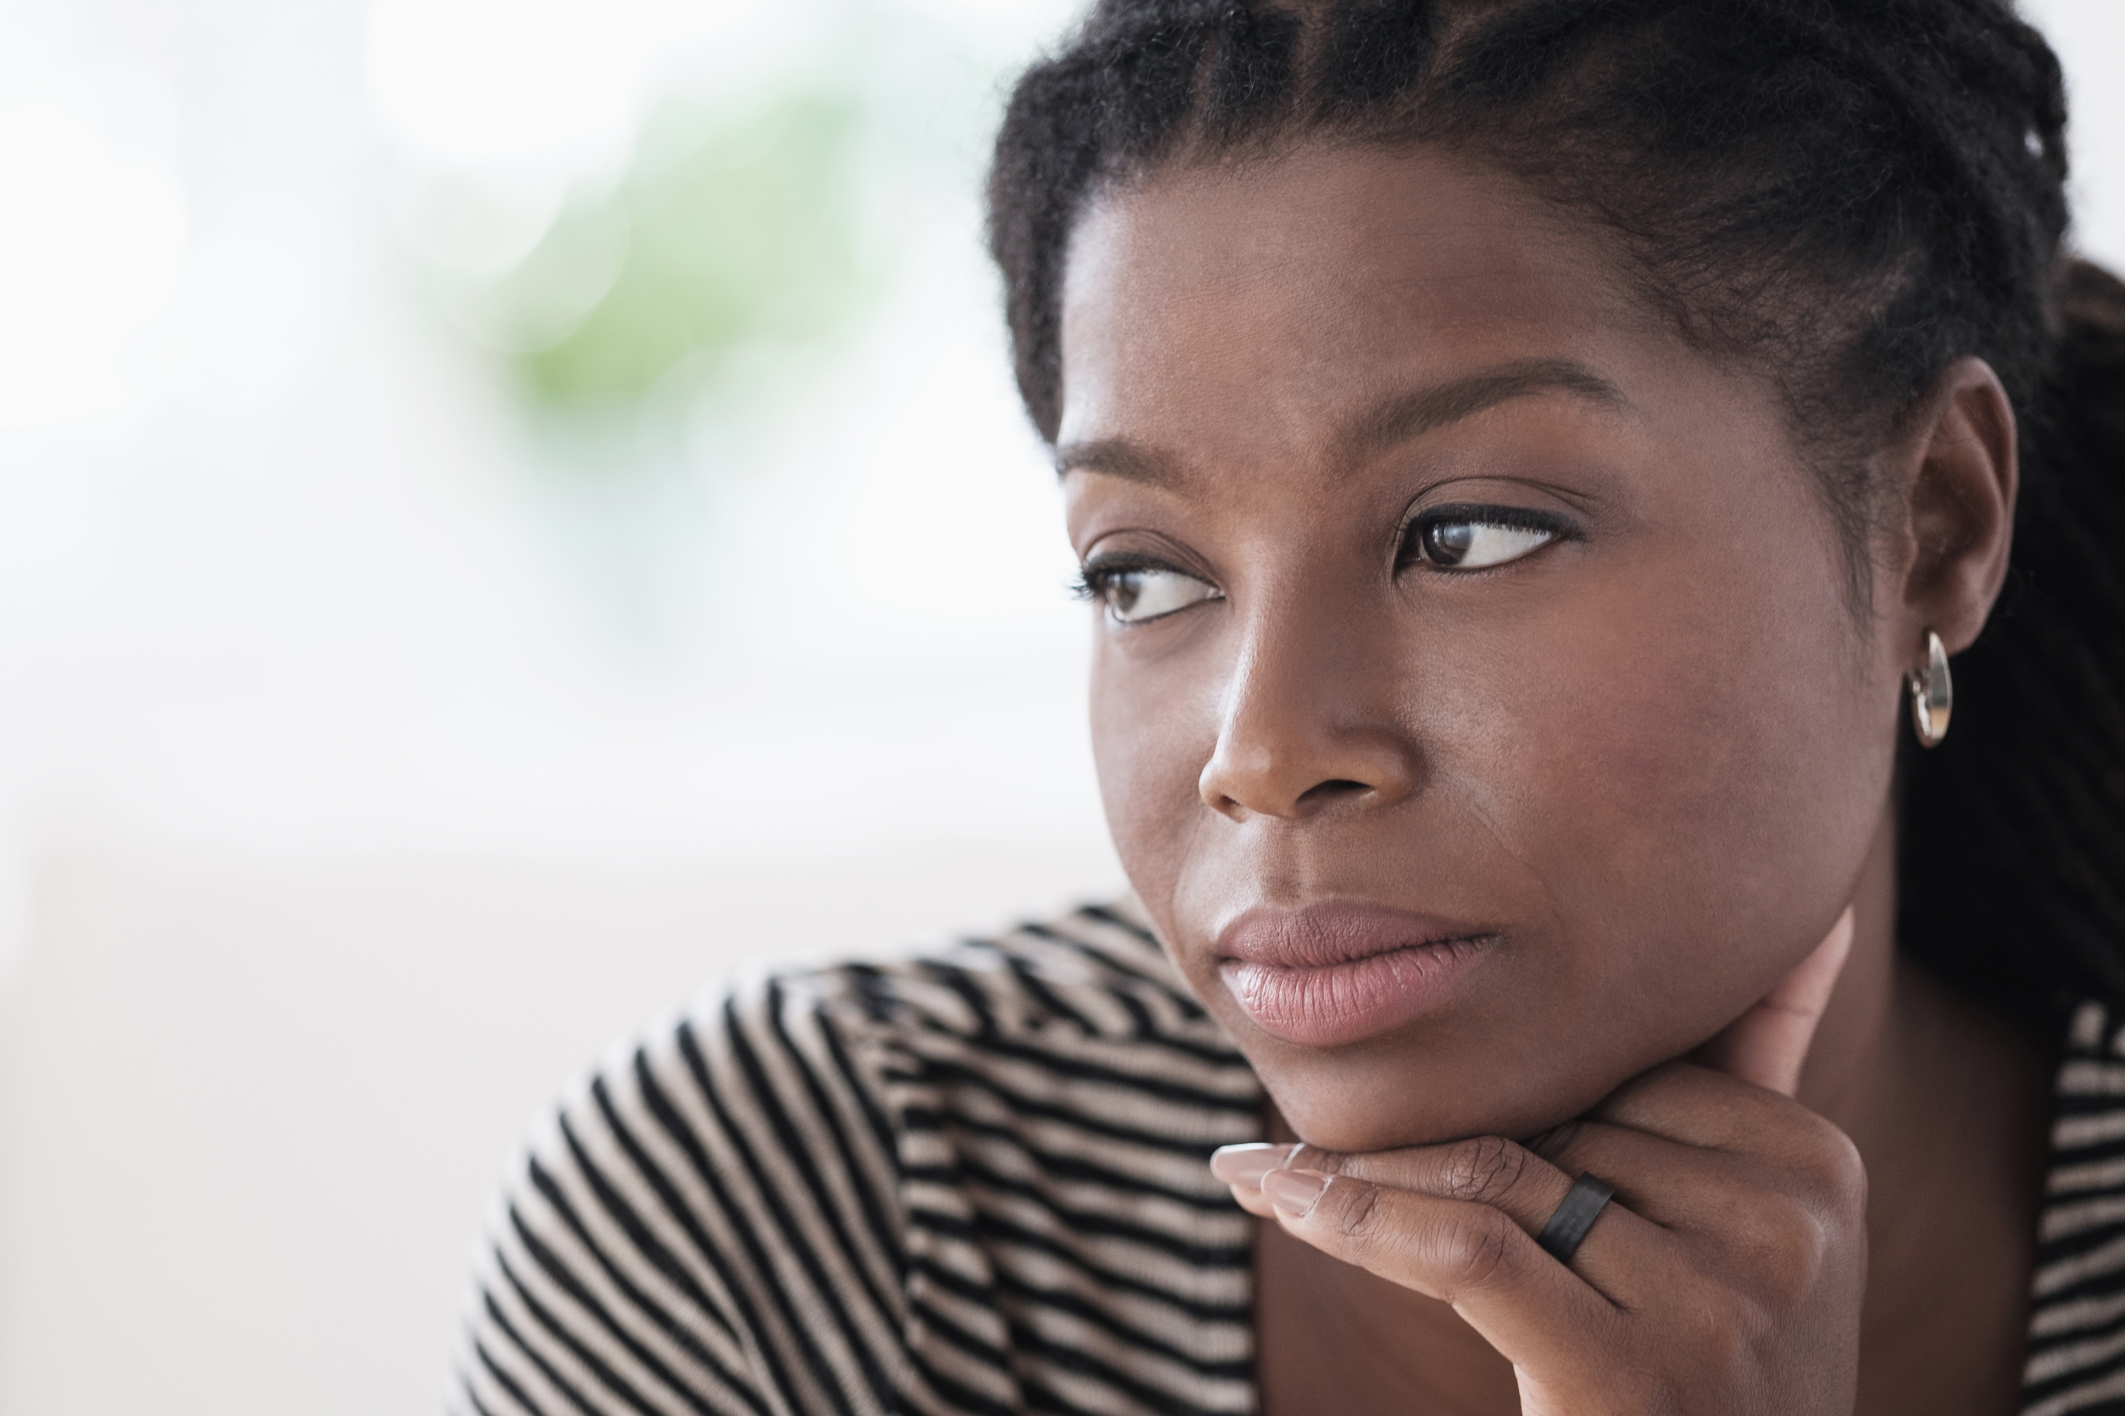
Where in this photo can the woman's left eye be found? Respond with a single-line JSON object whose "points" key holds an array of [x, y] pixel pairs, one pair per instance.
{"points": [[1468, 542]]}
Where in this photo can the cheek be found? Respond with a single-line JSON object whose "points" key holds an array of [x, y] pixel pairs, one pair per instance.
{"points": [[1154, 726], [1694, 777]]}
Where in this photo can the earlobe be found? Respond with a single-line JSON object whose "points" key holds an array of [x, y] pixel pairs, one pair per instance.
{"points": [[1959, 486]]}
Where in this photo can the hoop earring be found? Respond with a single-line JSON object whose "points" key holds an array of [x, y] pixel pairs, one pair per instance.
{"points": [[1932, 694]]}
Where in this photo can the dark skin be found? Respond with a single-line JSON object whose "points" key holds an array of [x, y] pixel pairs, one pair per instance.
{"points": [[1638, 745]]}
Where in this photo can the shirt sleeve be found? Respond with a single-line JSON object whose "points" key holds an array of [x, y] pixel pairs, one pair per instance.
{"points": [[708, 1224]]}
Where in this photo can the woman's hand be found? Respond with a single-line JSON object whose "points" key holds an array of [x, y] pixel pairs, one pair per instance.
{"points": [[1724, 1278]]}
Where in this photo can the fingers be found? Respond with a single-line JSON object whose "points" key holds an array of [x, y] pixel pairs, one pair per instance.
{"points": [[1697, 1107], [1477, 1258], [1768, 1045], [1619, 1255], [1487, 1170], [1739, 1201], [1243, 1166]]}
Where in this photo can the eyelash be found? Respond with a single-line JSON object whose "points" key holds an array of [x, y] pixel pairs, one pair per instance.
{"points": [[1410, 544], [1096, 576]]}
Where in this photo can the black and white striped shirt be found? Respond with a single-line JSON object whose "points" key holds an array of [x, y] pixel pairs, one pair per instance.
{"points": [[975, 1182]]}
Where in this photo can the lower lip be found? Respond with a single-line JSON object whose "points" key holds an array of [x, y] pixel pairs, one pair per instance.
{"points": [[1330, 1005]]}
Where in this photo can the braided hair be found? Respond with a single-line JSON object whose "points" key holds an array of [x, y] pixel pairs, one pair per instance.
{"points": [[1849, 193]]}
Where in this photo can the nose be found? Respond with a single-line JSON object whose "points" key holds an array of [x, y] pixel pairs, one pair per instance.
{"points": [[1306, 726]]}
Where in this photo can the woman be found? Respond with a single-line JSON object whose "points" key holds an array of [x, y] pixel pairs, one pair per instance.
{"points": [[1533, 462]]}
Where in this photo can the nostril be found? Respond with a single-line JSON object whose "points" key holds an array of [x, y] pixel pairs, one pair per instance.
{"points": [[1321, 793]]}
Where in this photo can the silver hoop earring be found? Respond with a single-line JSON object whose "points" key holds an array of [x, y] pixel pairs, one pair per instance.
{"points": [[1932, 694]]}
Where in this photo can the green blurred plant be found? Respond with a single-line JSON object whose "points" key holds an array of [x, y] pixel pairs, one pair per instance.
{"points": [[717, 238]]}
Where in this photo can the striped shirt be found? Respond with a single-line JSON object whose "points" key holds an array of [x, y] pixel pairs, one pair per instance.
{"points": [[974, 1182]]}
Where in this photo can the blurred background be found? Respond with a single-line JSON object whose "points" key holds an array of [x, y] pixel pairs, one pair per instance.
{"points": [[507, 507]]}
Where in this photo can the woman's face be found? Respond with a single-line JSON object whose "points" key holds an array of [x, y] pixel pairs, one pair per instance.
{"points": [[1479, 709]]}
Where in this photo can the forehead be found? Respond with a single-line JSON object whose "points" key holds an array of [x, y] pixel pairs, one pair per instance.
{"points": [[1276, 293]]}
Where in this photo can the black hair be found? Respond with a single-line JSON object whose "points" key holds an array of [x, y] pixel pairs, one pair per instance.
{"points": [[1852, 194]]}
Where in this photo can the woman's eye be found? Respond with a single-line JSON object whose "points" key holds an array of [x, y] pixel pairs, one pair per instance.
{"points": [[1146, 592], [1466, 543]]}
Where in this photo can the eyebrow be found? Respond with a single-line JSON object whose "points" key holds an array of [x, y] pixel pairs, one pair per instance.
{"points": [[1401, 416], [1394, 419]]}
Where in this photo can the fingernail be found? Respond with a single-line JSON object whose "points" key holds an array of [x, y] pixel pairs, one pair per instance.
{"points": [[1295, 1192], [1246, 1165]]}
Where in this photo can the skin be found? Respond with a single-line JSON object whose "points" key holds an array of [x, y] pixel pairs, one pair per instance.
{"points": [[1647, 767]]}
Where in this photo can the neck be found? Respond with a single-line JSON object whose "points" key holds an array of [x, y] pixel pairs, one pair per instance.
{"points": [[1948, 1109], [1860, 1062]]}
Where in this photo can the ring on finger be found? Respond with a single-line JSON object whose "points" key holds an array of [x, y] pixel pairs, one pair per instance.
{"points": [[1574, 1216]]}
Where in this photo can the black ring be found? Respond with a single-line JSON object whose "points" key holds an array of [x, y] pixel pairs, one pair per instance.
{"points": [[1567, 1228]]}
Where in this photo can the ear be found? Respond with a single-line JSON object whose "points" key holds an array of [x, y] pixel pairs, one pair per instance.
{"points": [[1955, 466]]}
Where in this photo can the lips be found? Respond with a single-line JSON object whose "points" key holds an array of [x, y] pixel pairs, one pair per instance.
{"points": [[1330, 974]]}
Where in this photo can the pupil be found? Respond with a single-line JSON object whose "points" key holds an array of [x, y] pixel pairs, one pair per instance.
{"points": [[1446, 542]]}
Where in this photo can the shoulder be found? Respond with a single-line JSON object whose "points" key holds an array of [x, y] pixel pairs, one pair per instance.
{"points": [[2077, 1312], [724, 1214], [1080, 1013], [1082, 1006]]}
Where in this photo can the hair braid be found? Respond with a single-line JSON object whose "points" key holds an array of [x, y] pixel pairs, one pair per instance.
{"points": [[1851, 194]]}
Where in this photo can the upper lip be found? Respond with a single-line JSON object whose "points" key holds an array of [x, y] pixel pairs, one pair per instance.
{"points": [[1330, 933]]}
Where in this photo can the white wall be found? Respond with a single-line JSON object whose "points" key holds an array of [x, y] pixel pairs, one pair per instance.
{"points": [[259, 1107], [2089, 36], [361, 778], [347, 809]]}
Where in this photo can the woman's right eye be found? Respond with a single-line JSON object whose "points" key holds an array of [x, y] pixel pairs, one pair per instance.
{"points": [[1135, 594]]}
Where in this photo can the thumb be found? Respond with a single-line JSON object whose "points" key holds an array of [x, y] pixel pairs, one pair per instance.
{"points": [[1768, 1044]]}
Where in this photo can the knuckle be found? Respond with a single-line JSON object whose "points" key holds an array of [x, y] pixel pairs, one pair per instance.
{"points": [[1557, 1142], [1726, 1331], [1485, 1169], [1358, 1213], [1822, 1205], [1839, 1172], [1783, 1232], [1790, 1244], [1475, 1252], [1810, 1246], [1819, 1159]]}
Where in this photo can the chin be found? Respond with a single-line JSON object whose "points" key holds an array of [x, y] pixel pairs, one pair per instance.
{"points": [[1389, 1097]]}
